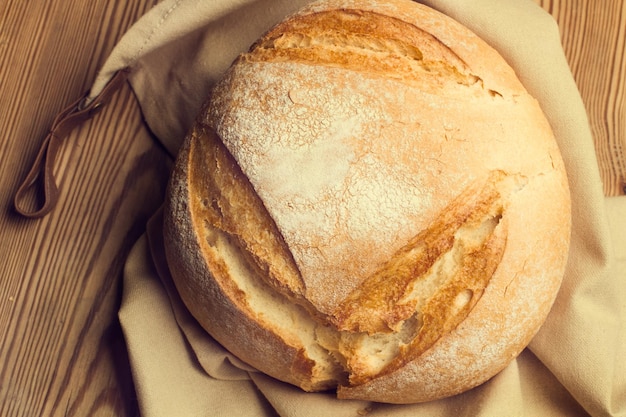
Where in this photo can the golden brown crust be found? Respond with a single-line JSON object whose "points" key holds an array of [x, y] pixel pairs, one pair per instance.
{"points": [[202, 274], [382, 301], [367, 42], [371, 201]]}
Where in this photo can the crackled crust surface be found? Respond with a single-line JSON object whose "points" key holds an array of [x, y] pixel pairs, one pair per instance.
{"points": [[371, 195]]}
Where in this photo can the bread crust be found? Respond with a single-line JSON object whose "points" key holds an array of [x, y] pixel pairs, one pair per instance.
{"points": [[202, 274], [370, 201]]}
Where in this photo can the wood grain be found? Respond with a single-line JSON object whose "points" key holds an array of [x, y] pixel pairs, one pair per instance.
{"points": [[593, 34], [62, 352], [61, 347]]}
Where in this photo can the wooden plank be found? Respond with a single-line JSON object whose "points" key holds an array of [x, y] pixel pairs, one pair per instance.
{"points": [[61, 346], [594, 35]]}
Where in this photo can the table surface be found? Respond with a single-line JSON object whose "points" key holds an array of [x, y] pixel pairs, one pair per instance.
{"points": [[62, 352]]}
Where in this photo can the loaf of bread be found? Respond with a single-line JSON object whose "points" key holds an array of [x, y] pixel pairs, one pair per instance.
{"points": [[370, 202]]}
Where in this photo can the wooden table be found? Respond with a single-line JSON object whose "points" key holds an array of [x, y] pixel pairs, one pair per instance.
{"points": [[61, 348]]}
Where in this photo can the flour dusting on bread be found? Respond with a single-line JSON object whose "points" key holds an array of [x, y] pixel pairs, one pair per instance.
{"points": [[370, 202]]}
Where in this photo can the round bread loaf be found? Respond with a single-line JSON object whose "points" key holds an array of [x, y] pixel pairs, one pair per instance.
{"points": [[371, 202]]}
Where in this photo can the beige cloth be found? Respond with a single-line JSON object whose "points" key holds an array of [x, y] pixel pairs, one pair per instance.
{"points": [[575, 366]]}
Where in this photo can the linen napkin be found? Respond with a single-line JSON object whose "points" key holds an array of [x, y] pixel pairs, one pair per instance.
{"points": [[574, 366]]}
